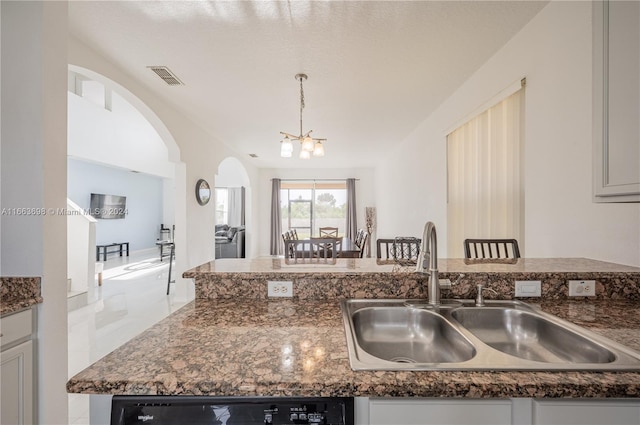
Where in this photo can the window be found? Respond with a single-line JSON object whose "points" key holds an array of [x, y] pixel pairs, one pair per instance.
{"points": [[93, 91], [484, 187], [230, 207], [222, 205], [307, 206]]}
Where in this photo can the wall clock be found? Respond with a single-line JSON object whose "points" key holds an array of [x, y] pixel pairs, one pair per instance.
{"points": [[203, 192]]}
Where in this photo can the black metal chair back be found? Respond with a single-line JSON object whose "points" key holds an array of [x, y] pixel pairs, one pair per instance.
{"points": [[491, 248], [400, 248], [363, 243]]}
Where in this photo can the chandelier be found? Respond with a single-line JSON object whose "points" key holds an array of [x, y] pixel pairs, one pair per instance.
{"points": [[308, 144]]}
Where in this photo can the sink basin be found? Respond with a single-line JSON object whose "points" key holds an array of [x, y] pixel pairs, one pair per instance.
{"points": [[504, 335], [528, 336], [409, 335]]}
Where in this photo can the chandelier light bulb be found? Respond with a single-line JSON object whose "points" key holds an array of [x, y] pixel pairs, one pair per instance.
{"points": [[286, 148], [307, 144], [304, 154], [318, 149]]}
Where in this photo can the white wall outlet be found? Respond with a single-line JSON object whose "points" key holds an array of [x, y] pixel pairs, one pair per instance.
{"points": [[279, 288], [582, 288], [528, 288]]}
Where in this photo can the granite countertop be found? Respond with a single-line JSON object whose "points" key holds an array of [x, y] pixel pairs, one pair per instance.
{"points": [[246, 347], [371, 278], [235, 341], [18, 293], [351, 266]]}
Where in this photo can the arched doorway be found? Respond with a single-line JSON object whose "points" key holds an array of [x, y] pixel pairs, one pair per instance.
{"points": [[111, 130], [233, 203]]}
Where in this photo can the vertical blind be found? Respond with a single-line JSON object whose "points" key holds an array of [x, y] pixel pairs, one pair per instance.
{"points": [[484, 185]]}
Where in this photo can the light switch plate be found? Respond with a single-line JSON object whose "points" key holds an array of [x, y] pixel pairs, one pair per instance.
{"points": [[528, 288]]}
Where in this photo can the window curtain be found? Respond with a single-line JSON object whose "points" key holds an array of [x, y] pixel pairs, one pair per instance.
{"points": [[236, 206], [352, 218], [276, 226], [485, 192]]}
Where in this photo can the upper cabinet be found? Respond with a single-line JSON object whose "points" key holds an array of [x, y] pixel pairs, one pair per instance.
{"points": [[616, 101]]}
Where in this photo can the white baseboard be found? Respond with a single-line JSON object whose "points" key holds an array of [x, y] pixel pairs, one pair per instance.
{"points": [[145, 251], [75, 300]]}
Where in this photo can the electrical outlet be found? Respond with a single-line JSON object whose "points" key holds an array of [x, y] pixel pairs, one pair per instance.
{"points": [[528, 288], [279, 288], [582, 288]]}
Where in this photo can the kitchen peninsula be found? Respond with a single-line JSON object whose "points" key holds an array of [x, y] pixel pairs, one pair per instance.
{"points": [[235, 341]]}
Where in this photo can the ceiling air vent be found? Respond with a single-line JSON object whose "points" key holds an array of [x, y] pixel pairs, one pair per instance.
{"points": [[166, 75]]}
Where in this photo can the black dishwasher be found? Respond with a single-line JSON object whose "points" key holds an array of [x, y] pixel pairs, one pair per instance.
{"points": [[196, 410]]}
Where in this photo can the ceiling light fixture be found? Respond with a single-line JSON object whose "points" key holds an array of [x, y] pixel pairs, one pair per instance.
{"points": [[308, 144]]}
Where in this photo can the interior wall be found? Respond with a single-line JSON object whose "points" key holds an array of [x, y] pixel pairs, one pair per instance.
{"points": [[364, 194], [33, 143], [554, 53], [144, 203], [100, 135], [169, 202]]}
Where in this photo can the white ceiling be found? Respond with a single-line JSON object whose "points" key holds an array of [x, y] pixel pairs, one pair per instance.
{"points": [[376, 69]]}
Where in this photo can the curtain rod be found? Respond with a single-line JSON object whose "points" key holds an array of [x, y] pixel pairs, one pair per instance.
{"points": [[494, 100], [315, 180]]}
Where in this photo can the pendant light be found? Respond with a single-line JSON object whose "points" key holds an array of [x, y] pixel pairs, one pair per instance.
{"points": [[308, 144]]}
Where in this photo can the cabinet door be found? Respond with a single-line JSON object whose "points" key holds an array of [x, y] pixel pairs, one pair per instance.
{"points": [[439, 411], [616, 101], [16, 386], [586, 412]]}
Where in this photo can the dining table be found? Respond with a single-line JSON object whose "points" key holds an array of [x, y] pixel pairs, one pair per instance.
{"points": [[302, 249], [348, 248]]}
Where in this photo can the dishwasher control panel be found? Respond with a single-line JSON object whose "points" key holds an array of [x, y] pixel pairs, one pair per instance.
{"points": [[306, 412], [165, 410]]}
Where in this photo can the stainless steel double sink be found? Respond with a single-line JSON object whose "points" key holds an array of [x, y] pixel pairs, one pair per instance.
{"points": [[501, 335]]}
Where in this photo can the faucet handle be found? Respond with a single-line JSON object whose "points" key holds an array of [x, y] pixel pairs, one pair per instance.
{"points": [[447, 284], [480, 297]]}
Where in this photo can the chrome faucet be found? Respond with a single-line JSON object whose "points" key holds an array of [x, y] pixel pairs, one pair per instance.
{"points": [[428, 262], [479, 297]]}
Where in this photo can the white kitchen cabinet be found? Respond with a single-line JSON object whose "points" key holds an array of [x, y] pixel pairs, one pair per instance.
{"points": [[17, 366], [586, 412], [616, 101], [439, 411], [514, 411]]}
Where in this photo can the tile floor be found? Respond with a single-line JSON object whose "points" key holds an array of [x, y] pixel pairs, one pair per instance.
{"points": [[131, 299]]}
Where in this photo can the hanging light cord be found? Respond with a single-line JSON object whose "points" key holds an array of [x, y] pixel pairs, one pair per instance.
{"points": [[301, 105]]}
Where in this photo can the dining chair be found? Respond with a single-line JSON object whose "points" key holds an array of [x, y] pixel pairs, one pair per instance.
{"points": [[408, 247], [331, 232], [311, 251], [326, 247], [287, 236], [491, 248], [363, 243], [399, 248]]}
